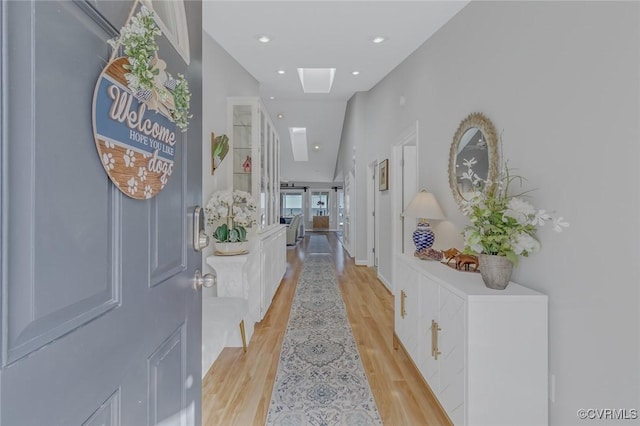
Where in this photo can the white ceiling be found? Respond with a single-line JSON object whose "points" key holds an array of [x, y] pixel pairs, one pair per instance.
{"points": [[320, 34]]}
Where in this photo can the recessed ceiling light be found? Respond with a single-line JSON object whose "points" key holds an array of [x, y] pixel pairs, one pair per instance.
{"points": [[281, 72], [264, 39], [272, 97], [316, 147], [281, 115], [355, 72], [378, 39]]}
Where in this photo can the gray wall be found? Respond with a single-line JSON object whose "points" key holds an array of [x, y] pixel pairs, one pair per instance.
{"points": [[560, 82], [222, 77]]}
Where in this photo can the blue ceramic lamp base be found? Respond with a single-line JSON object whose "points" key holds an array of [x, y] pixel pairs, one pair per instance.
{"points": [[423, 237]]}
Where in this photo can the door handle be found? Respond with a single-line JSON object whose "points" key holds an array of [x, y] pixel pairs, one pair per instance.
{"points": [[206, 280], [403, 311], [200, 237], [435, 350]]}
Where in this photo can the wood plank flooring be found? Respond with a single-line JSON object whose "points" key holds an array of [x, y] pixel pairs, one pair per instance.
{"points": [[237, 388]]}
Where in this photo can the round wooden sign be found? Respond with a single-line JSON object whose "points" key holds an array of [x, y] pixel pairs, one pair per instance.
{"points": [[136, 140]]}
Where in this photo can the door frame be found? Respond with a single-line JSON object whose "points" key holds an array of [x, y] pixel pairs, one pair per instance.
{"points": [[372, 208], [406, 137]]}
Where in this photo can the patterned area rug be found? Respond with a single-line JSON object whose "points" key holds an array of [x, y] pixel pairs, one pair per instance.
{"points": [[320, 379], [318, 244]]}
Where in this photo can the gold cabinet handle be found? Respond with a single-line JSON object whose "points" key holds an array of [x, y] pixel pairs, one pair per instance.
{"points": [[435, 351], [403, 311]]}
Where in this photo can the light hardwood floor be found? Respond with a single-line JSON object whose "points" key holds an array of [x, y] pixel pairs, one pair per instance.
{"points": [[237, 388]]}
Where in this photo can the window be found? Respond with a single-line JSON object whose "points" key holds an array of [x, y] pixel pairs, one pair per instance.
{"points": [[290, 204], [172, 20], [319, 203]]}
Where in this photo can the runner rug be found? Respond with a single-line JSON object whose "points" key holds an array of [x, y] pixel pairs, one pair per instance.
{"points": [[320, 379], [318, 244]]}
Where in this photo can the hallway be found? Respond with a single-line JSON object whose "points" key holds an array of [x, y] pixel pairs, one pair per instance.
{"points": [[237, 388]]}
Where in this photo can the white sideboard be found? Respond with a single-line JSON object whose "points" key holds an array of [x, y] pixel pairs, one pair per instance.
{"points": [[482, 352], [254, 276]]}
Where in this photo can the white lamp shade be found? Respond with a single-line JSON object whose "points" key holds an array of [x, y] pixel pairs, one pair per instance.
{"points": [[424, 205]]}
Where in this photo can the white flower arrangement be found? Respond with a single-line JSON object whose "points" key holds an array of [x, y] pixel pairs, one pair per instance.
{"points": [[502, 224], [236, 209]]}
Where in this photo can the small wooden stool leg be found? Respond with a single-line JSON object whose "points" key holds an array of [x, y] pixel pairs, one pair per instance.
{"points": [[244, 337]]}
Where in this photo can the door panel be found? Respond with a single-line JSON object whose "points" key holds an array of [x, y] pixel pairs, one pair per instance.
{"points": [[45, 218], [167, 373], [100, 320], [168, 225], [452, 344]]}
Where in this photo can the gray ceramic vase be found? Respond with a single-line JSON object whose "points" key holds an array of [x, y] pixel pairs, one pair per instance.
{"points": [[495, 270]]}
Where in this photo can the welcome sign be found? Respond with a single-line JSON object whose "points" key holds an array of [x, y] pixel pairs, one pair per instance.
{"points": [[136, 140]]}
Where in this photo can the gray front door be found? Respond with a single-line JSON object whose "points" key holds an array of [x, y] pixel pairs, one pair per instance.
{"points": [[100, 319]]}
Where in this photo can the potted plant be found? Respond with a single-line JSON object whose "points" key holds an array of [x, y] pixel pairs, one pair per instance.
{"points": [[502, 226], [235, 209]]}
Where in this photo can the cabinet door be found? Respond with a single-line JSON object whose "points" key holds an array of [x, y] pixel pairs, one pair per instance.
{"points": [[451, 342], [429, 311], [241, 142], [407, 313]]}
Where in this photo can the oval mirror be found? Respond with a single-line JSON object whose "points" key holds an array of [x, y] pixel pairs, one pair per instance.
{"points": [[473, 159]]}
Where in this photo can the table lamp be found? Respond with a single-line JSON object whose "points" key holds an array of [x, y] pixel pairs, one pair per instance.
{"points": [[424, 206]]}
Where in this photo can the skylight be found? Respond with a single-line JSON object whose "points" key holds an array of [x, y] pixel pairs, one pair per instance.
{"points": [[299, 143], [316, 80]]}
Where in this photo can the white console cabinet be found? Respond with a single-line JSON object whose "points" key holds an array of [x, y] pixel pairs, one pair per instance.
{"points": [[482, 352], [254, 276]]}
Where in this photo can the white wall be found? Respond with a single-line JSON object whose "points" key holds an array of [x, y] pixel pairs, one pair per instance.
{"points": [[560, 82], [352, 156], [222, 77]]}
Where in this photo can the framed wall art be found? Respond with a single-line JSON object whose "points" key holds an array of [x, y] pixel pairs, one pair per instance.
{"points": [[383, 175], [219, 150]]}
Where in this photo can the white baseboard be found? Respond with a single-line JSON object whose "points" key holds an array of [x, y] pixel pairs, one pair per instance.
{"points": [[361, 262], [386, 283]]}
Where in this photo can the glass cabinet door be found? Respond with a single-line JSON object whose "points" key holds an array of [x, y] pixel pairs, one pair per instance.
{"points": [[256, 161], [242, 132]]}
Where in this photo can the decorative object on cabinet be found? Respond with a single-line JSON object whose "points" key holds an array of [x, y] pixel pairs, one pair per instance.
{"points": [[219, 150], [465, 261], [236, 209], [255, 146], [495, 270], [246, 166], [383, 175], [451, 253], [424, 206], [503, 225], [429, 254], [474, 143], [483, 353]]}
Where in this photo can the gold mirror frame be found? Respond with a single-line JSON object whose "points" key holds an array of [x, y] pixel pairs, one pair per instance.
{"points": [[482, 123]]}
